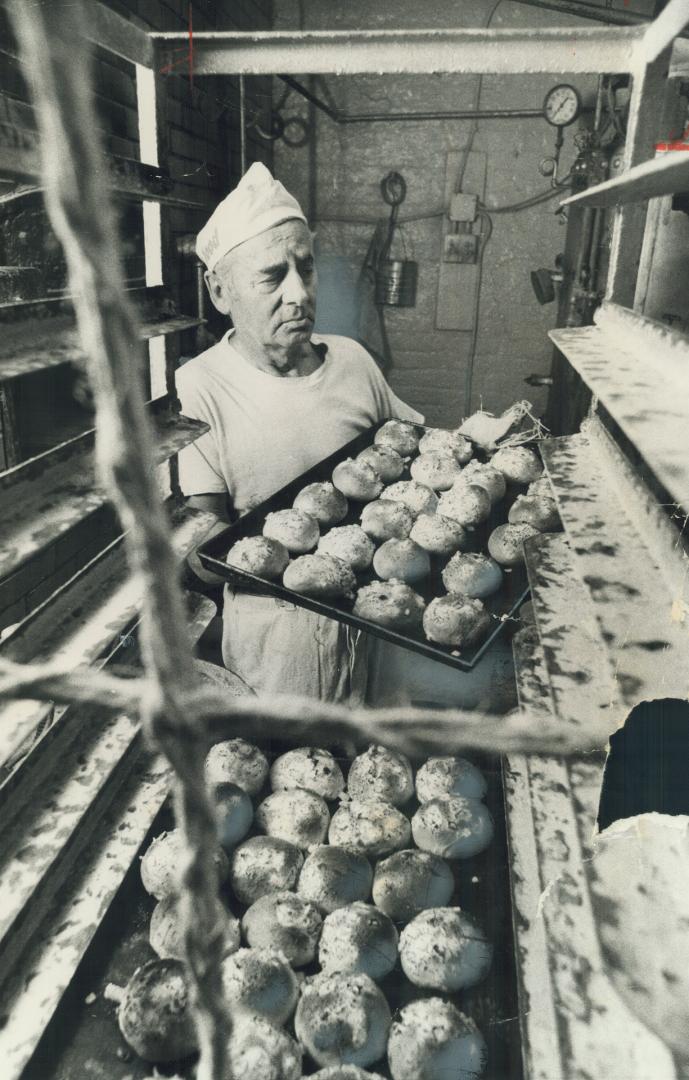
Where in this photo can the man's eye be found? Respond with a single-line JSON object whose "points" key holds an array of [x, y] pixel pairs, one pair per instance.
{"points": [[307, 268]]}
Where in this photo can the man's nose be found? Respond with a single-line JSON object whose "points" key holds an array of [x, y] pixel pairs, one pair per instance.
{"points": [[295, 289]]}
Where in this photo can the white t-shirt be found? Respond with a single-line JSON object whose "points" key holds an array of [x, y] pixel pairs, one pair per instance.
{"points": [[266, 430]]}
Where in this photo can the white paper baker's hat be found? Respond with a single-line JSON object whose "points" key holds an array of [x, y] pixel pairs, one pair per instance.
{"points": [[258, 202]]}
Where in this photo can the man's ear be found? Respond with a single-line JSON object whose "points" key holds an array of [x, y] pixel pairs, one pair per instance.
{"points": [[219, 291]]}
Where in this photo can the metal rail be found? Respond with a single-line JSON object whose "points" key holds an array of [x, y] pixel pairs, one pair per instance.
{"points": [[475, 51], [340, 117]]}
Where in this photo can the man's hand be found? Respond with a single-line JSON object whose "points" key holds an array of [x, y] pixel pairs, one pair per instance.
{"points": [[219, 505]]}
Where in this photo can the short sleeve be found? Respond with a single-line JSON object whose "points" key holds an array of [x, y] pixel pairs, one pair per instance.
{"points": [[200, 472], [389, 405]]}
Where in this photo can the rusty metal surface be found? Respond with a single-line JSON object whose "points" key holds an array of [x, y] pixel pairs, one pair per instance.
{"points": [[638, 616], [379, 52], [31, 994], [576, 659], [54, 341], [47, 496], [537, 1017], [663, 175], [84, 622], [645, 388], [40, 844]]}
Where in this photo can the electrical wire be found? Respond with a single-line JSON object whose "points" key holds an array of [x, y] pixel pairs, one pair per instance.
{"points": [[533, 200], [477, 101]]}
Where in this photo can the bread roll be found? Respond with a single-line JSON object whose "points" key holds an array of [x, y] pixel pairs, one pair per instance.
{"points": [[437, 534], [452, 826], [518, 464], [485, 476], [333, 877], [342, 1019], [506, 543], [297, 531], [155, 1015], [286, 923], [534, 510], [380, 773], [410, 881], [264, 864], [165, 931], [419, 498], [402, 560], [455, 620], [386, 519], [541, 488], [444, 949], [300, 817], [260, 981], [436, 469], [386, 462], [468, 504], [441, 776], [357, 480], [310, 768], [358, 939], [472, 574], [451, 442], [320, 576], [161, 865], [390, 603], [432, 1040], [350, 544], [259, 555], [233, 812], [323, 502], [399, 436], [257, 1050], [369, 826], [236, 761]]}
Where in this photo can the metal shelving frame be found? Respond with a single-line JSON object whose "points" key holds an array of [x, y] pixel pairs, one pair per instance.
{"points": [[621, 553]]}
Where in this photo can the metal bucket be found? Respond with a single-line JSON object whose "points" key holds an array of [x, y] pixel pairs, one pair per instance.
{"points": [[396, 283]]}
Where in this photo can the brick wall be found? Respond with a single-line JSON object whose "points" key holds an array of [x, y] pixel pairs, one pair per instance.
{"points": [[430, 364]]}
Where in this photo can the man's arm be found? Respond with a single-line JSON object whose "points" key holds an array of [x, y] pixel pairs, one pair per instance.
{"points": [[217, 503]]}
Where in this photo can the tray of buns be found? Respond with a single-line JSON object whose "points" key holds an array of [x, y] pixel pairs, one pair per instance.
{"points": [[409, 533]]}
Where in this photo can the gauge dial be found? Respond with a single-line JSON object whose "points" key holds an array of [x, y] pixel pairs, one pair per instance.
{"points": [[562, 105]]}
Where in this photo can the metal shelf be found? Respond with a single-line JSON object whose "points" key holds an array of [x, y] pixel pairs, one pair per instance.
{"points": [[637, 369], [52, 493], [665, 175], [569, 1011], [575, 657], [84, 622], [46, 343], [634, 607]]}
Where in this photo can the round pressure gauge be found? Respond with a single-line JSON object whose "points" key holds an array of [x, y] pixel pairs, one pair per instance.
{"points": [[562, 105]]}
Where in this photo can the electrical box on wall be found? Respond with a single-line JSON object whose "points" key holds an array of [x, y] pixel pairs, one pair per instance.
{"points": [[459, 270], [460, 248], [463, 207]]}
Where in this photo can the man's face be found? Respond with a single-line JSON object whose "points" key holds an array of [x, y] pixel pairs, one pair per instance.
{"points": [[268, 286]]}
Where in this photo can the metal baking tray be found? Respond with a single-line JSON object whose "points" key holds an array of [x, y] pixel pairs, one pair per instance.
{"points": [[502, 606]]}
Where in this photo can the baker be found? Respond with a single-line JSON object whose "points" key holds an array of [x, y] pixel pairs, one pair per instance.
{"points": [[278, 399]]}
